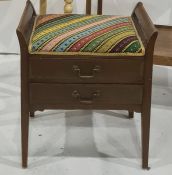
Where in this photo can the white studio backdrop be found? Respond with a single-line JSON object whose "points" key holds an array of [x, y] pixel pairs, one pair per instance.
{"points": [[10, 13]]}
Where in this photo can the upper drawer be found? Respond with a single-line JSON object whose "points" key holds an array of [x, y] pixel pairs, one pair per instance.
{"points": [[87, 71]]}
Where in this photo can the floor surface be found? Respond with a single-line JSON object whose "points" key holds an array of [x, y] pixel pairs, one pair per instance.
{"points": [[82, 142]]}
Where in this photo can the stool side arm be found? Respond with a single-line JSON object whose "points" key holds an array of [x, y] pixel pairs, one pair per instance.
{"points": [[144, 25], [25, 27], [148, 34]]}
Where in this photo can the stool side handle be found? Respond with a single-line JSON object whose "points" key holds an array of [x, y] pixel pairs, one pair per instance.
{"points": [[144, 24], [25, 26]]}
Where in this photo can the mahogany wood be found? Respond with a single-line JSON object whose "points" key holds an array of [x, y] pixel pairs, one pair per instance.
{"points": [[87, 71], [62, 94], [122, 83]]}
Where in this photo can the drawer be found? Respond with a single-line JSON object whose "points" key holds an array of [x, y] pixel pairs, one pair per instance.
{"points": [[87, 71], [85, 94]]}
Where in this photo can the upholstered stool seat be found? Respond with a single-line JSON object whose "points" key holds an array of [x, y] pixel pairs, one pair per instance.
{"points": [[73, 34]]}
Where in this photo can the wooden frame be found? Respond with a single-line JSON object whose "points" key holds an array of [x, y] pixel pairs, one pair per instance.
{"points": [[99, 7], [163, 51], [68, 7], [41, 92], [43, 7]]}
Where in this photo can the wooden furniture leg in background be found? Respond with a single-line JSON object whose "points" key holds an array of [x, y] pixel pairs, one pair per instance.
{"points": [[68, 8], [43, 7], [99, 5], [88, 7]]}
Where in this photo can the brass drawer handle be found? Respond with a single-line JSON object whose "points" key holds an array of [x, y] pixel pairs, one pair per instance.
{"points": [[83, 100], [78, 71]]}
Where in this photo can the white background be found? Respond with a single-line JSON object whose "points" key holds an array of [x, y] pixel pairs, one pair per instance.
{"points": [[10, 13]]}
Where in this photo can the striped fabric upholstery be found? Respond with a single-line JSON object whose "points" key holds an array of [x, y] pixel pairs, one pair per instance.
{"points": [[73, 34]]}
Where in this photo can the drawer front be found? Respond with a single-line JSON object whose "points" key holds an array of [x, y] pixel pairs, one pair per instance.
{"points": [[83, 71], [86, 95]]}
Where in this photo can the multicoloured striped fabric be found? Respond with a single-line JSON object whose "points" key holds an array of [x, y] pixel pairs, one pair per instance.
{"points": [[73, 34]]}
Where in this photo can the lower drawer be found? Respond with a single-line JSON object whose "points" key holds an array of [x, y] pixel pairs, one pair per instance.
{"points": [[85, 94]]}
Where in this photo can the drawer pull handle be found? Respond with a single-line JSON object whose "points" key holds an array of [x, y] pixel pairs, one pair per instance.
{"points": [[78, 71], [83, 100]]}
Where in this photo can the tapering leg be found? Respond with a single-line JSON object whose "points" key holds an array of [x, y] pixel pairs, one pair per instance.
{"points": [[24, 132], [131, 114], [24, 109], [145, 124]]}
